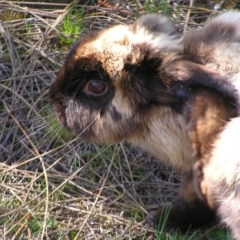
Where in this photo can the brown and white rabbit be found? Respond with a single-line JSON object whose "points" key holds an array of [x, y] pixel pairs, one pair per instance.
{"points": [[140, 83]]}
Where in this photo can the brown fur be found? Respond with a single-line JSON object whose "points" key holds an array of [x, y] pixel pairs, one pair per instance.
{"points": [[217, 46], [154, 98], [209, 113]]}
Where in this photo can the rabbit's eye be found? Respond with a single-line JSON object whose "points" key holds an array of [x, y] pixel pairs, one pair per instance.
{"points": [[95, 87]]}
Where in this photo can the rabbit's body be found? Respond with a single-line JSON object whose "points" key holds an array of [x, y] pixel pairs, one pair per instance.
{"points": [[222, 176], [141, 84], [217, 46]]}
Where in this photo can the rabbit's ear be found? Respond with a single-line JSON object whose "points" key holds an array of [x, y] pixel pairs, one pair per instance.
{"points": [[187, 77], [224, 28], [156, 24], [218, 42]]}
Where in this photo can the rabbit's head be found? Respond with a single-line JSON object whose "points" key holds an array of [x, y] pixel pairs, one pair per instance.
{"points": [[111, 80], [118, 82]]}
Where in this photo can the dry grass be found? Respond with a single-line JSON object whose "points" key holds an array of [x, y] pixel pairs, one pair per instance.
{"points": [[53, 186]]}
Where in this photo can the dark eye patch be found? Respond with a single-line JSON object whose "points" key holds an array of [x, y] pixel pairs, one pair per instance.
{"points": [[85, 75], [85, 81]]}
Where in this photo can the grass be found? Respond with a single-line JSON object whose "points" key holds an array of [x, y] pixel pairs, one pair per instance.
{"points": [[157, 6], [72, 25], [53, 186]]}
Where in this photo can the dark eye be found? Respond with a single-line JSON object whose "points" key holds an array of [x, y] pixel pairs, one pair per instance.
{"points": [[95, 87]]}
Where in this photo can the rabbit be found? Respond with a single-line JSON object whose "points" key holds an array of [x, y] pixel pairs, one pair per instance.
{"points": [[140, 83]]}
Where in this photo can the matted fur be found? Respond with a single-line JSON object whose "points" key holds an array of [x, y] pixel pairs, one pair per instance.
{"points": [[157, 95]]}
